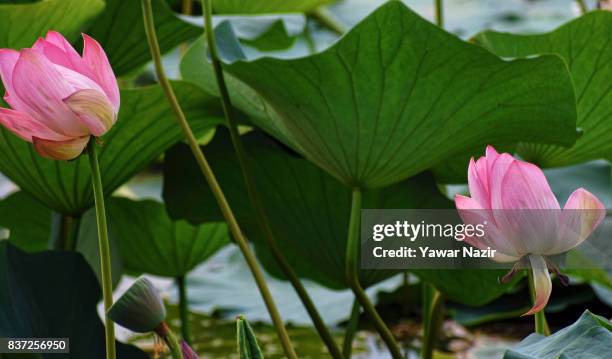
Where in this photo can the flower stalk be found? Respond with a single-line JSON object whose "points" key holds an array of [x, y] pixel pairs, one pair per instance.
{"points": [[351, 330], [262, 218], [541, 325], [228, 214], [583, 7], [184, 309], [164, 332], [439, 8], [432, 319], [352, 276], [104, 247]]}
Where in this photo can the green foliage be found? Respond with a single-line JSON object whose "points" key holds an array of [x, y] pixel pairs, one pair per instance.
{"points": [[150, 242], [22, 24], [589, 337], [397, 95], [120, 30], [27, 220], [247, 342], [308, 209], [53, 295], [582, 44], [144, 130], [265, 6]]}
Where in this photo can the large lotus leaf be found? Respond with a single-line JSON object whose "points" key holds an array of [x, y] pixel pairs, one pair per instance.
{"points": [[28, 222], [589, 337], [583, 44], [473, 287], [150, 242], [120, 30], [144, 130], [396, 95], [265, 6], [22, 24], [53, 295], [307, 208], [308, 211]]}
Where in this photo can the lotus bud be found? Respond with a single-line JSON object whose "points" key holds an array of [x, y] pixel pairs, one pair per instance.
{"points": [[140, 309], [58, 99], [248, 348]]}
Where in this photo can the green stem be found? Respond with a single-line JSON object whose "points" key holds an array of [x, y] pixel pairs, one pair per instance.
{"points": [[583, 7], [439, 7], [351, 329], [64, 230], [174, 345], [433, 315], [184, 309], [352, 277], [327, 20], [541, 325], [262, 218], [234, 228], [105, 261]]}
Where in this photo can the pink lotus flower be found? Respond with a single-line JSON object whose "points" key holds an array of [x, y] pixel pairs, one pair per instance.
{"points": [[58, 99], [524, 220]]}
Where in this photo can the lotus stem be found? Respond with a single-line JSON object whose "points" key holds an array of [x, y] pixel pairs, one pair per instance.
{"points": [[328, 21], [65, 230], [184, 309], [583, 7], [351, 330], [262, 218], [352, 276], [164, 331], [433, 308], [104, 246], [228, 214], [541, 325], [439, 8]]}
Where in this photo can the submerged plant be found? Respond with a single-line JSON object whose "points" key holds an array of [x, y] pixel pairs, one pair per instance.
{"points": [[525, 223], [61, 102]]}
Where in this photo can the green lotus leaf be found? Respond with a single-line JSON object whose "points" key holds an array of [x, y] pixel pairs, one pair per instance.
{"points": [[582, 43], [150, 242], [22, 24], [397, 95], [589, 337], [53, 294]]}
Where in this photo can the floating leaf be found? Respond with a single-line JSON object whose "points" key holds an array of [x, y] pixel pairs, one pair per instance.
{"points": [[397, 95], [120, 30], [582, 44], [589, 337], [247, 342], [53, 295], [145, 128], [150, 242], [22, 24]]}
